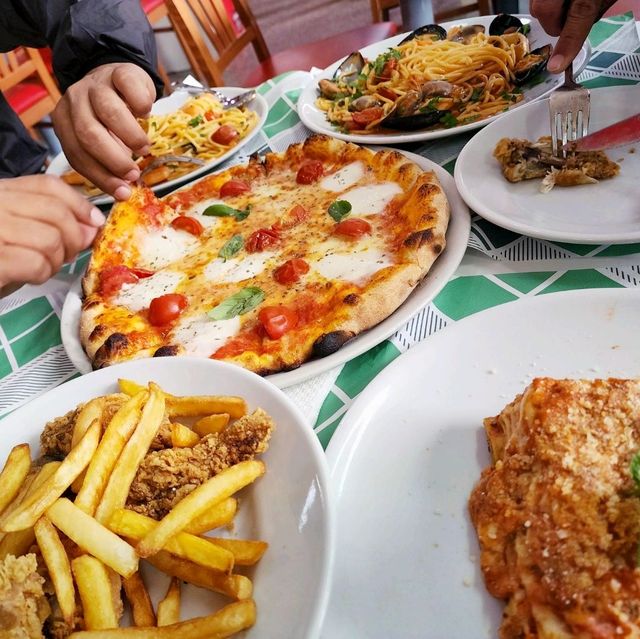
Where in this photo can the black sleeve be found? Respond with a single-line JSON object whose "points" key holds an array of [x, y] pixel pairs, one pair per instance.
{"points": [[83, 34]]}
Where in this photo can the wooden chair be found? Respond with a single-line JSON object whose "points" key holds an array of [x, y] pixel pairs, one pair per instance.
{"points": [[380, 10], [27, 85], [200, 23]]}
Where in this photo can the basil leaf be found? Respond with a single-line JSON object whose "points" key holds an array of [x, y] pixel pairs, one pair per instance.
{"points": [[238, 304], [222, 210], [339, 209], [634, 468], [231, 247], [195, 121]]}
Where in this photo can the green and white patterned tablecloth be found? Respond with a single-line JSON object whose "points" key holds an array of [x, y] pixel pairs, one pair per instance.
{"points": [[498, 267]]}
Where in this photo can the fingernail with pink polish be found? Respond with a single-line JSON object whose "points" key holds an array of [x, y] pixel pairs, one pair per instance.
{"points": [[96, 217], [555, 63], [122, 193], [133, 175]]}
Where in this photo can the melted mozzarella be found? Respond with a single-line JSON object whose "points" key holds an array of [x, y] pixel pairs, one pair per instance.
{"points": [[356, 267], [201, 336], [137, 296], [372, 199], [343, 178], [160, 248], [238, 269]]}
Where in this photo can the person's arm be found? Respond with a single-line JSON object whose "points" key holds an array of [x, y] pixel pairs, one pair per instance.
{"points": [[571, 20]]}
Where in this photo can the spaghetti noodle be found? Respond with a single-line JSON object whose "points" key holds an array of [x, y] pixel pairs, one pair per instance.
{"points": [[441, 82]]}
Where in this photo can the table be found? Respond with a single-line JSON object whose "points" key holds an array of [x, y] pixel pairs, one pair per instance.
{"points": [[498, 267]]}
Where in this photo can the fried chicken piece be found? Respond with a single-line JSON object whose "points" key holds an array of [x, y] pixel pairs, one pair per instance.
{"points": [[524, 160], [55, 441], [23, 605], [167, 476]]}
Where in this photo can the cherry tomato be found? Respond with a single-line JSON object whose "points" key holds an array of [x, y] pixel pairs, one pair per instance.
{"points": [[209, 115], [224, 135], [387, 93], [166, 308], [293, 217], [141, 273], [291, 271], [367, 115], [261, 239], [277, 320], [311, 171], [353, 228], [234, 187], [188, 224], [388, 67], [113, 277]]}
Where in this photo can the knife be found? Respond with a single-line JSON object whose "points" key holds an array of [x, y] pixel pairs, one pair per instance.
{"points": [[618, 134]]}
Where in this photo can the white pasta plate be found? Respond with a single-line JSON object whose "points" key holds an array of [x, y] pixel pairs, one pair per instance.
{"points": [[411, 447], [316, 119], [440, 273], [289, 507], [60, 165]]}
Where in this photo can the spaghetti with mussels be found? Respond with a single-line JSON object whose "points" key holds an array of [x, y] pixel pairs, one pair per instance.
{"points": [[434, 79]]}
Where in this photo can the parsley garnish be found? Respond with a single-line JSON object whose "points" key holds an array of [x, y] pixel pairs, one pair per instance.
{"points": [[383, 58], [476, 95], [525, 28], [448, 120], [195, 121]]}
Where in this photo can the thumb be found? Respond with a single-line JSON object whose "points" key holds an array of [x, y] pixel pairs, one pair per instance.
{"points": [[580, 18]]}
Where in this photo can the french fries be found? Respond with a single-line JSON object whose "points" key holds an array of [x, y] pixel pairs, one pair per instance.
{"points": [[114, 438], [183, 437], [94, 587], [193, 406], [14, 473], [117, 489], [245, 552], [26, 515], [18, 543], [169, 607], [234, 586], [57, 562], [139, 600], [233, 618], [93, 537], [221, 514], [202, 552], [211, 492], [211, 424]]}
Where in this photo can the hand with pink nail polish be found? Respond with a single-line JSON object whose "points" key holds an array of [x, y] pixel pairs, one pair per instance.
{"points": [[97, 126], [571, 20], [43, 223]]}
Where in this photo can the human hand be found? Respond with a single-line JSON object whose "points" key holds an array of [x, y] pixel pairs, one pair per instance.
{"points": [[96, 122], [43, 223], [571, 20]]}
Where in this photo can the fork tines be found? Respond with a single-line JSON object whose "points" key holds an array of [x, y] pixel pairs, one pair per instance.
{"points": [[569, 113]]}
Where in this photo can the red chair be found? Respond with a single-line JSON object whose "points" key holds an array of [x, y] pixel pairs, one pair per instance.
{"points": [[200, 23], [623, 6]]}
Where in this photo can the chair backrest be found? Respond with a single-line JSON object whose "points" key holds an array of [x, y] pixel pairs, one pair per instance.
{"points": [[198, 21], [26, 65], [380, 10]]}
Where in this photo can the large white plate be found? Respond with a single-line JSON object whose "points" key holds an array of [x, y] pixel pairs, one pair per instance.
{"points": [[317, 121], [290, 506], [171, 103], [409, 451], [593, 213], [439, 275]]}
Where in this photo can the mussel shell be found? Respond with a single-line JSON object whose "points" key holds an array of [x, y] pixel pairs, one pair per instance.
{"points": [[538, 59], [427, 29], [419, 120], [350, 67], [503, 22]]}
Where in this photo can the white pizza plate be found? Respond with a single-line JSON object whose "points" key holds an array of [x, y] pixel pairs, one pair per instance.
{"points": [[171, 103], [317, 121], [594, 213], [409, 451], [444, 267], [289, 507]]}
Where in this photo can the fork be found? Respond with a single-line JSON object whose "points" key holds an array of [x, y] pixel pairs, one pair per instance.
{"points": [[569, 112], [226, 101]]}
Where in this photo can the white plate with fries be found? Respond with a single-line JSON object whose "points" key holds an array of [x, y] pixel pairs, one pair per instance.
{"points": [[60, 165], [409, 451], [288, 506]]}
